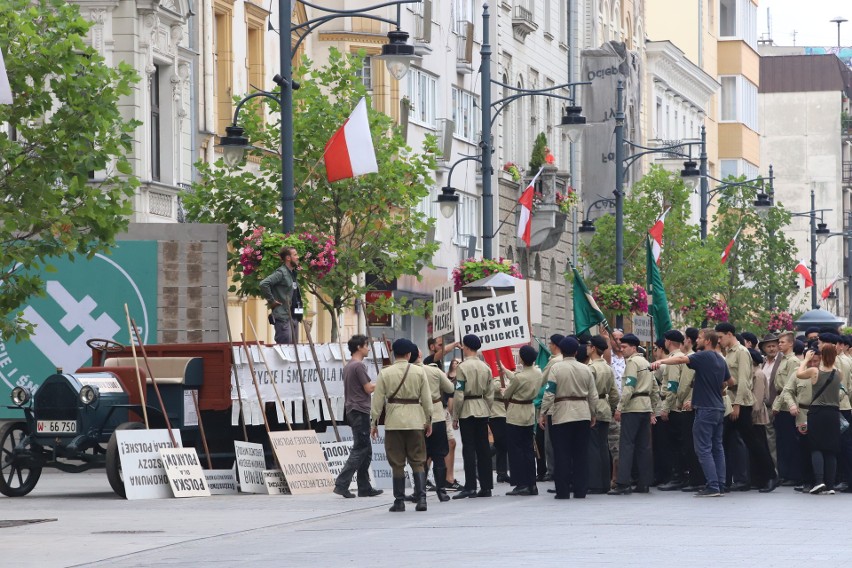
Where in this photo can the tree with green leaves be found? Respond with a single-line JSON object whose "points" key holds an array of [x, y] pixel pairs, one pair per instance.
{"points": [[539, 153], [691, 273], [760, 267], [65, 124], [373, 218]]}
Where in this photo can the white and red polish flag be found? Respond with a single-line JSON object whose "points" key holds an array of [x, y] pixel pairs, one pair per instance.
{"points": [[727, 253], [5, 89], [656, 233], [526, 203], [828, 288], [350, 151], [802, 269]]}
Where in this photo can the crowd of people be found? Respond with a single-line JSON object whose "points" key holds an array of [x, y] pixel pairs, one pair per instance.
{"points": [[716, 411]]}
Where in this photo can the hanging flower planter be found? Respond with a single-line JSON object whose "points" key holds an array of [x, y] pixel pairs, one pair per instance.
{"points": [[621, 299], [474, 269]]}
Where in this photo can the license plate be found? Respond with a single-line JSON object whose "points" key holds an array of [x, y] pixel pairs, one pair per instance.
{"points": [[56, 426]]}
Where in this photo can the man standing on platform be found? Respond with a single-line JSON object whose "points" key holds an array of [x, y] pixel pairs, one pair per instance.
{"points": [[282, 293], [471, 408], [402, 390], [357, 389]]}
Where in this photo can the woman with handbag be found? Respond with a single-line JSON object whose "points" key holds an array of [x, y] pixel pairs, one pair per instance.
{"points": [[823, 428]]}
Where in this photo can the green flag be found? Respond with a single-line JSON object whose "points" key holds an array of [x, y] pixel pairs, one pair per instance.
{"points": [[658, 307], [587, 314], [543, 355]]}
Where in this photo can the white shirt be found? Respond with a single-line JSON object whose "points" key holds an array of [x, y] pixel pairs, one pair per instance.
{"points": [[618, 363]]}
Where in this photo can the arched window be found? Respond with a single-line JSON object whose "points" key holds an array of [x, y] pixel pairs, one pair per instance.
{"points": [[537, 267], [509, 256]]}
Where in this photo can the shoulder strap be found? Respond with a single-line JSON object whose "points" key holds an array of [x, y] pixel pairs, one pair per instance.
{"points": [[824, 386], [402, 382]]}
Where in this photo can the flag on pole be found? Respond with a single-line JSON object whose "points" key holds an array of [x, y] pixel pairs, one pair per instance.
{"points": [[658, 304], [526, 202], [350, 153], [587, 314], [828, 288], [506, 358], [5, 89], [656, 233], [802, 269], [728, 248]]}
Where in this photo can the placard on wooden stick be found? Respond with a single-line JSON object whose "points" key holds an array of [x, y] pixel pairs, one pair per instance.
{"points": [[186, 476], [302, 461], [221, 481], [251, 463], [141, 467]]}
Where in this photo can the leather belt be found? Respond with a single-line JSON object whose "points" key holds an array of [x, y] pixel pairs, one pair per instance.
{"points": [[805, 406], [473, 397], [602, 396], [635, 394], [404, 401], [515, 401], [436, 401], [562, 398]]}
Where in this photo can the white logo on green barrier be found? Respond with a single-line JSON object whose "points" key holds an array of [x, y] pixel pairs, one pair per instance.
{"points": [[83, 300]]}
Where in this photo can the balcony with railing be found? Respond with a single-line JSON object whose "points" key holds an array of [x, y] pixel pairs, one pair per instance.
{"points": [[523, 23], [846, 126], [847, 173], [464, 46]]}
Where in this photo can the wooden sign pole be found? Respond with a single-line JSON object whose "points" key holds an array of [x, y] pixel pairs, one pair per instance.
{"points": [[136, 364], [257, 390], [201, 429], [294, 330], [234, 368], [268, 370], [154, 382], [321, 380]]}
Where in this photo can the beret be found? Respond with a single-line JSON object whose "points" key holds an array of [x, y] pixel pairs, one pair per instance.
{"points": [[725, 327], [749, 336], [528, 355], [829, 338], [402, 347], [556, 338], [472, 342], [674, 335], [630, 339], [599, 342], [661, 343], [569, 346]]}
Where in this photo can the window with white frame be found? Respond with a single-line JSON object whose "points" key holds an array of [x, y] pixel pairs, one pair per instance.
{"points": [[738, 19], [468, 220], [464, 114], [366, 72], [426, 206], [422, 89], [739, 101], [737, 168], [463, 14]]}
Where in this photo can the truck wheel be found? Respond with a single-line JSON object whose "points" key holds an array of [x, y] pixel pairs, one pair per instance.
{"points": [[113, 458], [18, 474]]}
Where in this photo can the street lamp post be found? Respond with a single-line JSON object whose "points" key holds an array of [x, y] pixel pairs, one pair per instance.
{"points": [[819, 233], [397, 53], [572, 122]]}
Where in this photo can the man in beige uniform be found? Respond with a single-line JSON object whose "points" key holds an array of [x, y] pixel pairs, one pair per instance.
{"points": [[403, 390], [599, 458], [520, 419], [635, 413], [742, 400], [671, 412], [437, 445], [786, 440], [471, 408], [572, 394], [555, 357]]}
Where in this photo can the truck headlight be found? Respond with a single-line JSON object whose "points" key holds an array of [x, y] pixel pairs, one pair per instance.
{"points": [[89, 395], [20, 396]]}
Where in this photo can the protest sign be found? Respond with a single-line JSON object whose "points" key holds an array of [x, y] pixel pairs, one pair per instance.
{"points": [[184, 471], [250, 465], [221, 481], [380, 469], [442, 310], [302, 461], [642, 327], [275, 482], [499, 322], [336, 454], [141, 467]]}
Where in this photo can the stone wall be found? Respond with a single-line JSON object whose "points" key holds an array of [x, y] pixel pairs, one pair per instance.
{"points": [[192, 279]]}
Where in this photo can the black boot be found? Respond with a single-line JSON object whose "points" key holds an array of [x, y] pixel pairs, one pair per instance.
{"points": [[398, 495], [440, 481], [420, 490]]}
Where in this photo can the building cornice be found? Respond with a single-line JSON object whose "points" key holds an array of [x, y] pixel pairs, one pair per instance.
{"points": [[669, 66]]}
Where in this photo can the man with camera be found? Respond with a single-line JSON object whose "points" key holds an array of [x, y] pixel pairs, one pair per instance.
{"points": [[282, 293]]}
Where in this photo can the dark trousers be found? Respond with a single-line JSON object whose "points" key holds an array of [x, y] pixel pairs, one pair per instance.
{"points": [[707, 437], [571, 454], [756, 451], [635, 443], [599, 460], [498, 431], [437, 445], [804, 452], [686, 420], [540, 463], [787, 447], [476, 453], [661, 445], [405, 445], [845, 461], [763, 468], [736, 453], [284, 333], [362, 452], [519, 440]]}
